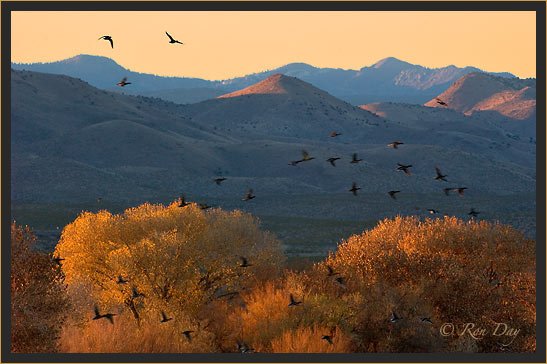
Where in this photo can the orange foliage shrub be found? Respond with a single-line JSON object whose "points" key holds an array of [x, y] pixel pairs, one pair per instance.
{"points": [[308, 340], [445, 269], [38, 297]]}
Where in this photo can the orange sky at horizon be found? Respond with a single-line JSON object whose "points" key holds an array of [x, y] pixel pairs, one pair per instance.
{"points": [[221, 45]]}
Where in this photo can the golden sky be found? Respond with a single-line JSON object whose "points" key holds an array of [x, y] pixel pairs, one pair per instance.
{"points": [[220, 45]]}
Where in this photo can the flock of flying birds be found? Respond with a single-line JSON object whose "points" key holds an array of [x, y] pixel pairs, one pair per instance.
{"points": [[242, 347]]}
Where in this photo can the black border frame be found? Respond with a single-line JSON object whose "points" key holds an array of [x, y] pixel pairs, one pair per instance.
{"points": [[538, 6]]}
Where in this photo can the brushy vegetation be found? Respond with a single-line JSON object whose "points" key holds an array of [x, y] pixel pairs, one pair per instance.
{"points": [[187, 263], [38, 296]]}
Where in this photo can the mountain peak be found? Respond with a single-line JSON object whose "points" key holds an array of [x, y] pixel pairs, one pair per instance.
{"points": [[390, 62], [275, 84]]}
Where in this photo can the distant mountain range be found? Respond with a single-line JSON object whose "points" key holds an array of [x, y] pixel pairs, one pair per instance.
{"points": [[387, 80], [72, 142]]}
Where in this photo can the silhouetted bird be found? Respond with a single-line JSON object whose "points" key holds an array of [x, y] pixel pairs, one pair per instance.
{"points": [[164, 317], [447, 190], [331, 271], [249, 195], [173, 40], [354, 189], [328, 338], [440, 176], [183, 201], [394, 318], [108, 316], [392, 194], [244, 263], [441, 102], [473, 212], [504, 347], [58, 260], [306, 157], [432, 211], [204, 206], [243, 348], [109, 38], [404, 168], [99, 200], [460, 190], [121, 280], [123, 83], [293, 302], [219, 180], [334, 134], [395, 144], [136, 294], [354, 158], [187, 334], [340, 281], [331, 160], [426, 320]]}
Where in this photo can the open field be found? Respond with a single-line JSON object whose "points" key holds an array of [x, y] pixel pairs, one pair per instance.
{"points": [[311, 225]]}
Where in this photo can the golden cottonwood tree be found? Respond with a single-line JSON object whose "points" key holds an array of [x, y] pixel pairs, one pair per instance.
{"points": [[178, 258]]}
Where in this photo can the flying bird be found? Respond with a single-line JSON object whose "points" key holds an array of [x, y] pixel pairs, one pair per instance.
{"points": [[244, 348], [164, 317], [404, 168], [394, 318], [293, 302], [99, 200], [441, 102], [354, 189], [460, 190], [183, 201], [340, 281], [447, 190], [219, 180], [426, 320], [172, 40], [395, 144], [109, 38], [473, 212], [294, 163], [392, 194], [331, 271], [306, 157], [331, 160], [504, 347], [354, 158], [187, 334], [432, 211], [249, 195], [58, 260], [204, 206], [121, 280], [440, 176], [123, 83], [136, 294], [244, 263], [108, 316], [328, 338], [334, 134]]}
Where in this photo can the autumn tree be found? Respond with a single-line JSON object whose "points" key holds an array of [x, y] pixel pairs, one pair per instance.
{"points": [[173, 259], [38, 296], [446, 270]]}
